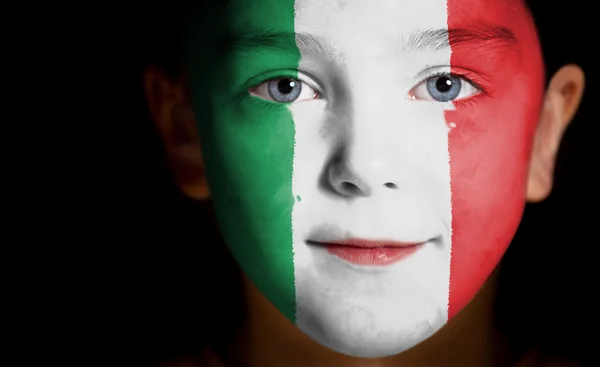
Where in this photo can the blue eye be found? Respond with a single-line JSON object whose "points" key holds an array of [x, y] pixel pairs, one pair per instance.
{"points": [[443, 88], [284, 90]]}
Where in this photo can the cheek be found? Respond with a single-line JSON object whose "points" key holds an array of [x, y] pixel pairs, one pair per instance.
{"points": [[248, 158], [489, 156], [248, 153], [490, 147]]}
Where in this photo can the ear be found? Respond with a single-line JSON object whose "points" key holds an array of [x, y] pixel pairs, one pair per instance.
{"points": [[561, 102], [171, 110]]}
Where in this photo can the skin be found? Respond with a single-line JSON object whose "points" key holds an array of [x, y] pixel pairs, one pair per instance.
{"points": [[268, 338]]}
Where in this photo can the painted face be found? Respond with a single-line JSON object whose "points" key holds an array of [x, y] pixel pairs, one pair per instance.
{"points": [[367, 159]]}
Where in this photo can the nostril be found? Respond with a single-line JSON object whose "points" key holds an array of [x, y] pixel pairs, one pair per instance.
{"points": [[349, 187], [390, 185]]}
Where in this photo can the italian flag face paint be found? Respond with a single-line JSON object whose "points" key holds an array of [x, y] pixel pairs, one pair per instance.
{"points": [[367, 159]]}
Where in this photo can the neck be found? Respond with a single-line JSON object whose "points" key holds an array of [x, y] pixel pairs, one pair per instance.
{"points": [[268, 339]]}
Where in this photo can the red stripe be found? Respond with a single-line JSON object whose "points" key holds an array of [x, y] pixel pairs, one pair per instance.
{"points": [[490, 145]]}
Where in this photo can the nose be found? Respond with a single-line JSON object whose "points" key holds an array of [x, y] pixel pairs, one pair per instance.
{"points": [[350, 175], [372, 140]]}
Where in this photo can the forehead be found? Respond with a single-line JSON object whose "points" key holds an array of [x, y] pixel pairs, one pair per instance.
{"points": [[385, 18], [381, 17], [382, 30]]}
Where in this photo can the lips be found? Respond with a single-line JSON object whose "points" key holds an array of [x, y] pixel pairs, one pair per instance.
{"points": [[368, 252]]}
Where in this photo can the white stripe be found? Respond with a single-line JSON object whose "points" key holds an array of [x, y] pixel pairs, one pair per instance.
{"points": [[381, 136]]}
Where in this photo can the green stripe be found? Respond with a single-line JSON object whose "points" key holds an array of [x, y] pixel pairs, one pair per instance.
{"points": [[248, 143]]}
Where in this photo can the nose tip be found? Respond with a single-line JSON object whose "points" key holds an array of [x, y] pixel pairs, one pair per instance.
{"points": [[348, 183]]}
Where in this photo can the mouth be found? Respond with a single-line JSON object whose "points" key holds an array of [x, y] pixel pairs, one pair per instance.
{"points": [[368, 252]]}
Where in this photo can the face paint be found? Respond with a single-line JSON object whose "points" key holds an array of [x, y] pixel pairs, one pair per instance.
{"points": [[367, 160], [490, 146]]}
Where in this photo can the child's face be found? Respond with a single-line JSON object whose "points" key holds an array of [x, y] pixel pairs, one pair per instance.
{"points": [[368, 159]]}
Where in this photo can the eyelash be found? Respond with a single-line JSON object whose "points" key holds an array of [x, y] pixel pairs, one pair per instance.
{"points": [[281, 74], [463, 74], [467, 76]]}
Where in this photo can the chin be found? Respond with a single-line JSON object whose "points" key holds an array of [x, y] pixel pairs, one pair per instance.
{"points": [[369, 327]]}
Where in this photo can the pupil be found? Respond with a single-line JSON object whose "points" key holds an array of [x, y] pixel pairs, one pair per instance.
{"points": [[443, 84], [285, 86]]}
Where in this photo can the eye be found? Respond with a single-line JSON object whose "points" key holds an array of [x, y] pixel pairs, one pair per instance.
{"points": [[443, 88], [284, 90]]}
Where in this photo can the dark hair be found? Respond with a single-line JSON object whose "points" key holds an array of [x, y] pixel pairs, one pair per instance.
{"points": [[543, 300]]}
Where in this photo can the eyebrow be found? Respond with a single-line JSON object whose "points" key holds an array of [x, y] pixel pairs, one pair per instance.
{"points": [[475, 35], [258, 40]]}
